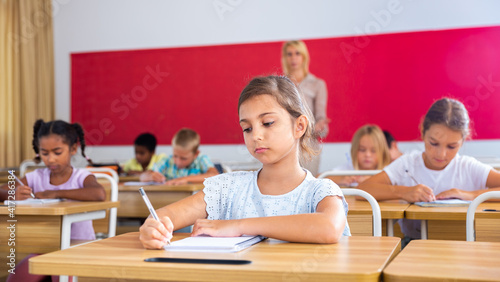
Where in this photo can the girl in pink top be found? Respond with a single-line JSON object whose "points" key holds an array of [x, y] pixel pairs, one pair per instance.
{"points": [[55, 142]]}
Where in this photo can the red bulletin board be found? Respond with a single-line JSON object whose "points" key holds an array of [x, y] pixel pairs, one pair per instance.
{"points": [[390, 80]]}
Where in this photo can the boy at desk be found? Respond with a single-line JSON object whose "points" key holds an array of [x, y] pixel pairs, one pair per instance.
{"points": [[185, 165], [145, 157]]}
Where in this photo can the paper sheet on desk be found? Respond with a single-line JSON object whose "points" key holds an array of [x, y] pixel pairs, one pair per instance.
{"points": [[214, 244], [32, 201], [444, 203]]}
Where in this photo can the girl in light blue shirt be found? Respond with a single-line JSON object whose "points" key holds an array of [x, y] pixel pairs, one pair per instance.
{"points": [[282, 200]]}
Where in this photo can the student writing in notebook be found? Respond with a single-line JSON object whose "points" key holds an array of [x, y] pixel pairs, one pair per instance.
{"points": [[281, 200], [145, 157], [185, 165], [369, 151], [55, 142], [438, 172]]}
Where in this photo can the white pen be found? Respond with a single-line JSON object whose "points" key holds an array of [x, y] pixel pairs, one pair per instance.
{"points": [[21, 183], [150, 207]]}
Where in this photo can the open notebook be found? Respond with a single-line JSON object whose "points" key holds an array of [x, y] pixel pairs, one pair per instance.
{"points": [[444, 203], [32, 201], [214, 244]]}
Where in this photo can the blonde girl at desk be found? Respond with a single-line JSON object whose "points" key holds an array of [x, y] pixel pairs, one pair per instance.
{"points": [[55, 142], [369, 151], [438, 172], [281, 200]]}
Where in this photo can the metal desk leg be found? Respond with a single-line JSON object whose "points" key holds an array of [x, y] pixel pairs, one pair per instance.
{"points": [[423, 229], [67, 220], [390, 227]]}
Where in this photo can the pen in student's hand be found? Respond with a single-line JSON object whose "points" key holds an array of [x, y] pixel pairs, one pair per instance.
{"points": [[417, 182], [411, 176], [21, 183], [150, 207]]}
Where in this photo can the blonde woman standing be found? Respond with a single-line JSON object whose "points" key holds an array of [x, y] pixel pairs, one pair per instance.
{"points": [[295, 63]]}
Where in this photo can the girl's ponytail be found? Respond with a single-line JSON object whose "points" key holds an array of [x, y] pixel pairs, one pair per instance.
{"points": [[36, 129], [81, 138]]}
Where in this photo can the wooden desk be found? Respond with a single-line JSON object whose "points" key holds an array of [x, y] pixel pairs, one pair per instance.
{"points": [[360, 215], [437, 260], [449, 222], [125, 178], [122, 257], [132, 204], [47, 228]]}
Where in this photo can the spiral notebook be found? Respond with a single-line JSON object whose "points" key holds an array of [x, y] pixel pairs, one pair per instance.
{"points": [[214, 244]]}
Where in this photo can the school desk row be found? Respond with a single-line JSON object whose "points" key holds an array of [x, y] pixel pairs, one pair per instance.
{"points": [[444, 223], [362, 258], [39, 229]]}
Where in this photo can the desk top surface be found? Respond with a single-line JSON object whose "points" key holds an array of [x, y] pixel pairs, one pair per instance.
{"points": [[124, 178], [439, 260], [61, 208], [450, 213], [353, 258], [389, 209], [163, 188]]}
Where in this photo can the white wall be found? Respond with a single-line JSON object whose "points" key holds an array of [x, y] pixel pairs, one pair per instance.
{"points": [[97, 25]]}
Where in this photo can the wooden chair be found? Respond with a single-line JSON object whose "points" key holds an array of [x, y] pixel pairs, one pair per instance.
{"points": [[27, 166], [105, 170]]}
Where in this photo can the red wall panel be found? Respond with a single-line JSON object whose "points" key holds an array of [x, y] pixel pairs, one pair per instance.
{"points": [[390, 80]]}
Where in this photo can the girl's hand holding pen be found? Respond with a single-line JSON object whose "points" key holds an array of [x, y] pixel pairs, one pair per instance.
{"points": [[23, 192], [418, 193], [20, 197], [156, 234]]}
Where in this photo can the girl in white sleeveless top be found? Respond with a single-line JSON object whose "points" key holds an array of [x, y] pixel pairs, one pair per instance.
{"points": [[282, 200]]}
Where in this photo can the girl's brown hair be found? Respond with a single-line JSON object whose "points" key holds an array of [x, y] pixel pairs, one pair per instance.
{"points": [[288, 97], [449, 112], [383, 156]]}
